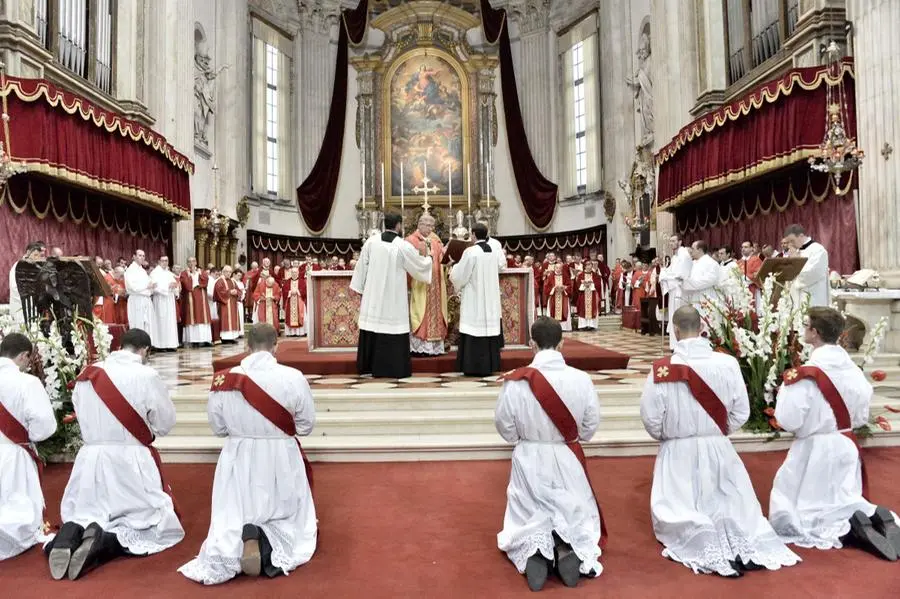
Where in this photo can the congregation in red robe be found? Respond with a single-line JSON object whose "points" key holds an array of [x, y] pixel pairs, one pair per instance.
{"points": [[227, 297]]}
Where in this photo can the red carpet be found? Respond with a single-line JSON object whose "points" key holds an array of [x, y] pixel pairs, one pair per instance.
{"points": [[428, 529], [295, 353]]}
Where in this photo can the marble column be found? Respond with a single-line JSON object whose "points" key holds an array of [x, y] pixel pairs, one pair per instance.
{"points": [[876, 48], [617, 116], [536, 79], [314, 56]]}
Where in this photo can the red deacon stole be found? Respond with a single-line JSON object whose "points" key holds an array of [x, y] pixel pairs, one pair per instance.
{"points": [[13, 430], [127, 416], [837, 404], [664, 371], [562, 419], [263, 403]]}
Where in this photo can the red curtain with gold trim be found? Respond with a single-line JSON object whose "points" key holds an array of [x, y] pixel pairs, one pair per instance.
{"points": [[778, 124], [78, 221], [315, 196], [760, 211], [538, 193], [278, 247], [65, 136], [577, 243]]}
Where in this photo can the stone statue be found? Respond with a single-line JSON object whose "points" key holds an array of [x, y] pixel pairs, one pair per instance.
{"points": [[460, 231], [642, 86], [204, 89]]}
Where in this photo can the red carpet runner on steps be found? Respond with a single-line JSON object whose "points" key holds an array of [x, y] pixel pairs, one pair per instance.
{"points": [[428, 529], [295, 353]]}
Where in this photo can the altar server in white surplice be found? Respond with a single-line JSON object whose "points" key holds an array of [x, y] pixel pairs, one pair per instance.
{"points": [[380, 276], [117, 501], [703, 507], [705, 275], [818, 497], [812, 282], [26, 417], [477, 279], [165, 317], [263, 518], [552, 517], [139, 287], [672, 278]]}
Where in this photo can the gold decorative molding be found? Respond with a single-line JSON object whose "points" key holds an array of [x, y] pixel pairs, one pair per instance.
{"points": [[427, 11]]}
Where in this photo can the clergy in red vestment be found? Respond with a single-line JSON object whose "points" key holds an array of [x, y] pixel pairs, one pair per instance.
{"points": [[228, 300], [557, 293], [428, 316], [749, 264], [589, 297], [617, 272], [267, 301], [250, 283], [538, 279], [121, 301], [108, 312], [294, 306], [640, 284], [602, 269], [196, 319]]}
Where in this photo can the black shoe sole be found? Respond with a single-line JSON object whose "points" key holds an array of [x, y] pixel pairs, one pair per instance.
{"points": [[884, 523], [537, 569], [80, 556], [569, 569], [251, 558], [866, 535], [59, 562]]}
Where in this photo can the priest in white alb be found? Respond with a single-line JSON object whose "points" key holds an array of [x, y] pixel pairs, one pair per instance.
{"points": [[117, 501], [552, 516], [139, 287], [165, 318], [812, 283], [672, 278], [380, 277], [26, 417], [704, 510], [477, 279], [706, 274], [263, 518], [428, 302], [819, 495]]}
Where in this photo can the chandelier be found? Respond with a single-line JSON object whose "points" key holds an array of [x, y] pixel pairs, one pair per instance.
{"points": [[837, 153], [7, 167]]}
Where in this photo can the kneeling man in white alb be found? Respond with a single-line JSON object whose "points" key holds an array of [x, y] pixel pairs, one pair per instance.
{"points": [[819, 495], [703, 506]]}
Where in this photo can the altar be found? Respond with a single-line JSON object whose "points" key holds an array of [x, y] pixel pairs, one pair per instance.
{"points": [[334, 310]]}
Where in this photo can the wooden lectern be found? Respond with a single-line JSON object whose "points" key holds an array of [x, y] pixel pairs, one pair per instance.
{"points": [[783, 269]]}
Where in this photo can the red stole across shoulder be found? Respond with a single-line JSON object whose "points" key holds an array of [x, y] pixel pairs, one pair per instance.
{"points": [[263, 403], [127, 416], [562, 419], [664, 371], [837, 404], [13, 430]]}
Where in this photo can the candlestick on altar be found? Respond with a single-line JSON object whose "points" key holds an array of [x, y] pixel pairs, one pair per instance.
{"points": [[383, 205], [488, 181], [450, 184], [363, 185], [401, 192], [469, 187]]}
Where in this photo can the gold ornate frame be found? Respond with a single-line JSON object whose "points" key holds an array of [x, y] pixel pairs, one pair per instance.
{"points": [[465, 87]]}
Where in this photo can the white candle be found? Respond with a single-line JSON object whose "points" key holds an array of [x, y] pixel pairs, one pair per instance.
{"points": [[488, 181], [450, 184], [363, 185], [382, 188], [401, 188], [469, 188]]}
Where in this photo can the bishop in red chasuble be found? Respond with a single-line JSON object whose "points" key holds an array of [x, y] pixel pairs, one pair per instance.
{"points": [[294, 307], [267, 302], [589, 297], [557, 292], [428, 303]]}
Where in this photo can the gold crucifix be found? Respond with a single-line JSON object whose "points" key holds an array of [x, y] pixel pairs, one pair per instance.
{"points": [[425, 189]]}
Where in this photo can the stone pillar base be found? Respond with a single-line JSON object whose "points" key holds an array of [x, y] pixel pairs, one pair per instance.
{"points": [[872, 306]]}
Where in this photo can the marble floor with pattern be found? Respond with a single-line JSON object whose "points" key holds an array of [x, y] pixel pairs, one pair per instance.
{"points": [[190, 370]]}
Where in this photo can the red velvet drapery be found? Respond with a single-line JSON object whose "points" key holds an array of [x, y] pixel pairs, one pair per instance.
{"points": [[80, 222], [760, 211], [538, 193], [315, 196], [778, 124], [60, 134], [278, 247]]}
